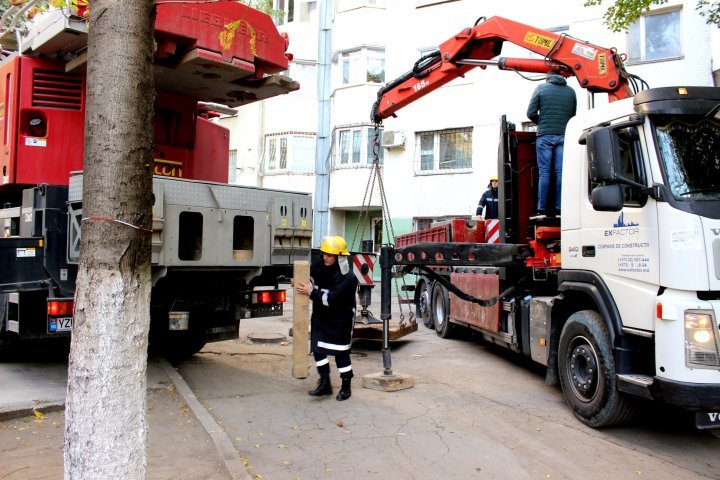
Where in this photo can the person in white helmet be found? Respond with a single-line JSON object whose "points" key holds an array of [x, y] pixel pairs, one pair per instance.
{"points": [[332, 290]]}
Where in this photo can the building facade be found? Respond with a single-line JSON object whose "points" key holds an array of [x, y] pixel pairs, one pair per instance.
{"points": [[441, 150]]}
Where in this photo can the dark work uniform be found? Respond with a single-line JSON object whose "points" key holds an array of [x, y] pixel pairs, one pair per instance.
{"points": [[332, 318], [489, 201], [552, 105]]}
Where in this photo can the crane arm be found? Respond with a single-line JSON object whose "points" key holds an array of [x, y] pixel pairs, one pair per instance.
{"points": [[596, 68]]}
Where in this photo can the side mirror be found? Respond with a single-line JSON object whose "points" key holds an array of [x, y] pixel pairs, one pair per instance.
{"points": [[603, 155], [607, 198]]}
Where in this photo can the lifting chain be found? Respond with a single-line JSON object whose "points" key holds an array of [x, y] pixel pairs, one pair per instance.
{"points": [[364, 218]]}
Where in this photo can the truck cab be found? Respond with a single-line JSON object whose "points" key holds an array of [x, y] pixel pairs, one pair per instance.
{"points": [[641, 221]]}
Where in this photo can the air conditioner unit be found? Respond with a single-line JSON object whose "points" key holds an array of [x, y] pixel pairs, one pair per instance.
{"points": [[393, 139]]}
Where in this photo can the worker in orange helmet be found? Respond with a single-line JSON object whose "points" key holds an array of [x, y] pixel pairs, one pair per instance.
{"points": [[332, 290]]}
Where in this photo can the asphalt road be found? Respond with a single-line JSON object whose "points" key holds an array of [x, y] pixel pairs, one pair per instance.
{"points": [[475, 412]]}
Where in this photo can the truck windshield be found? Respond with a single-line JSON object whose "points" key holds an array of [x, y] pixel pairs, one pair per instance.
{"points": [[690, 154]]}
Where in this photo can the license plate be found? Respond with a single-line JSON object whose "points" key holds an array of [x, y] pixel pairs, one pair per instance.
{"points": [[62, 324], [707, 419]]}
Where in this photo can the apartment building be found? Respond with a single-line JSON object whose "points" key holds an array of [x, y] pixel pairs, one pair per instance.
{"points": [[440, 151]]}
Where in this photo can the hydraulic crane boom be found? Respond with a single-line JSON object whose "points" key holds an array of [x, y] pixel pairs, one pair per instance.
{"points": [[596, 68]]}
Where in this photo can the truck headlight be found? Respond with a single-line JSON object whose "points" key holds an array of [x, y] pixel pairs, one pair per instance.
{"points": [[701, 349]]}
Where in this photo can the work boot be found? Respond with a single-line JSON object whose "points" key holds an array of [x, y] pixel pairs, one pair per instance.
{"points": [[344, 392], [323, 388]]}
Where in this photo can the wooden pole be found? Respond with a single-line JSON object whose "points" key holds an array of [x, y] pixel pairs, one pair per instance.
{"points": [[301, 322]]}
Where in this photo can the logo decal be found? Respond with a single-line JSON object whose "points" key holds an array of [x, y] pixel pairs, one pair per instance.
{"points": [[539, 40], [621, 222]]}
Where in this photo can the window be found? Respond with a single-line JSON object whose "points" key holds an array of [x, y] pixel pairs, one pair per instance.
{"points": [[365, 65], [282, 164], [444, 151], [355, 146], [689, 147], [307, 9], [272, 154], [287, 7], [289, 153], [375, 67], [655, 36], [232, 172], [631, 166], [344, 146]]}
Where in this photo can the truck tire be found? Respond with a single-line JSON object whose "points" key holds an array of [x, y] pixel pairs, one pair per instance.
{"points": [[587, 372], [440, 305], [422, 304]]}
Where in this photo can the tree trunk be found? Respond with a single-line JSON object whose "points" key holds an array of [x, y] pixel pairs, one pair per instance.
{"points": [[105, 414]]}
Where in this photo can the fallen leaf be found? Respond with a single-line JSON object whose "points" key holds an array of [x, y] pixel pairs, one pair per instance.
{"points": [[39, 414], [282, 446], [340, 423]]}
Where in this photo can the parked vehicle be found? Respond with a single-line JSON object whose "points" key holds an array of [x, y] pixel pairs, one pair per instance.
{"points": [[217, 249], [619, 297]]}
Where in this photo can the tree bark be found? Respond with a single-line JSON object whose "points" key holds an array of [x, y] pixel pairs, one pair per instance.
{"points": [[105, 413]]}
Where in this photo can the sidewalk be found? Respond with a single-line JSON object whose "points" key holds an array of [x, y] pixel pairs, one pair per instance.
{"points": [[179, 444]]}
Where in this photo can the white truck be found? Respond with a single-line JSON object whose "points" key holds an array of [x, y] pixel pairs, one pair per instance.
{"points": [[619, 297]]}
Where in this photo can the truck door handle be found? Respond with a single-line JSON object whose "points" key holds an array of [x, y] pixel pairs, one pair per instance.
{"points": [[588, 251]]}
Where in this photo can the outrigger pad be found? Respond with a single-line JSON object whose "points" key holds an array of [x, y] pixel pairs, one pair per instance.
{"points": [[388, 383]]}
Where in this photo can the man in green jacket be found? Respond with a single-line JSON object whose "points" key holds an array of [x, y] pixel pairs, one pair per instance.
{"points": [[552, 105]]}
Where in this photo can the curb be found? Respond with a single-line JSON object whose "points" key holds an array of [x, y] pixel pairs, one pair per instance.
{"points": [[223, 444], [28, 411]]}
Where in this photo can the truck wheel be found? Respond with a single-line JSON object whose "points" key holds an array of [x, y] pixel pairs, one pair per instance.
{"points": [[440, 310], [587, 372], [422, 305]]}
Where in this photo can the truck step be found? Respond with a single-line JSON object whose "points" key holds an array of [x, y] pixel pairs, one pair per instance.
{"points": [[634, 384], [640, 380]]}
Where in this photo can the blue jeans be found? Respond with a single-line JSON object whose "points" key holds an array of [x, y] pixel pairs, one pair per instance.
{"points": [[549, 149]]}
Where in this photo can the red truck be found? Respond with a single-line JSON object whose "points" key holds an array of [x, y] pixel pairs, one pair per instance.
{"points": [[217, 249]]}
